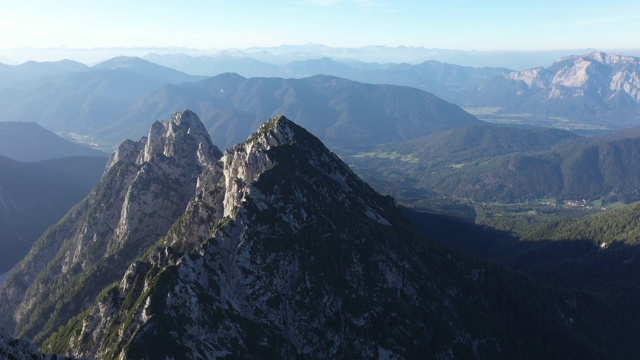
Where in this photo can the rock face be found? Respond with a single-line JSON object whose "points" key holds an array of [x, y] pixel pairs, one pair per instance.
{"points": [[145, 187], [596, 87], [274, 249], [283, 252], [251, 274], [607, 74]]}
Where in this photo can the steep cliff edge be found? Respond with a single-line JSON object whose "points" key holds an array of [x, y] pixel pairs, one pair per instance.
{"points": [[275, 249], [283, 252], [145, 187]]}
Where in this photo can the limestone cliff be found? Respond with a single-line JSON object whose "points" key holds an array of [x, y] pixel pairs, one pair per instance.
{"points": [[145, 187]]}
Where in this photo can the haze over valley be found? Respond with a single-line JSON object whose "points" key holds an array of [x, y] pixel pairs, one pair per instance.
{"points": [[319, 179]]}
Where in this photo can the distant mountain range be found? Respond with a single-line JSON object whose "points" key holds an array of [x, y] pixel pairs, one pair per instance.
{"points": [[432, 76], [595, 88], [78, 103], [119, 99], [183, 249], [288, 53], [95, 104], [275, 249], [34, 196], [22, 75], [343, 113], [148, 69], [441, 79], [41, 177], [24, 141]]}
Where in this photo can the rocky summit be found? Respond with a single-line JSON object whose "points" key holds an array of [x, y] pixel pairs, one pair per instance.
{"points": [[609, 75], [274, 249], [145, 188]]}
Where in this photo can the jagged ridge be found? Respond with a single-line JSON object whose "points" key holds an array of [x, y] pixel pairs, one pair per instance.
{"points": [[145, 188], [283, 253], [609, 73], [595, 88]]}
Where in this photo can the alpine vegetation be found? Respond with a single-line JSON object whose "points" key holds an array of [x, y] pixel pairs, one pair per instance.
{"points": [[273, 249]]}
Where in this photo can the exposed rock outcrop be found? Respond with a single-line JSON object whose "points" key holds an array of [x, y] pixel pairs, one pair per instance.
{"points": [[146, 186], [284, 252], [274, 249]]}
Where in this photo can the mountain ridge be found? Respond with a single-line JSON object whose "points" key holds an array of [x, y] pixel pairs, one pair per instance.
{"points": [[146, 68], [145, 186], [34, 196], [342, 112], [276, 249], [595, 88], [30, 71], [25, 141]]}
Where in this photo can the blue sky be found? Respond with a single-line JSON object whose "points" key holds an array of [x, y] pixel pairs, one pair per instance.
{"points": [[222, 24]]}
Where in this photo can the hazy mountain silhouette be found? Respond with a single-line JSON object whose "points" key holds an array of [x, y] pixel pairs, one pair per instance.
{"points": [[23, 75], [342, 112], [596, 88], [24, 141], [34, 196], [82, 102]]}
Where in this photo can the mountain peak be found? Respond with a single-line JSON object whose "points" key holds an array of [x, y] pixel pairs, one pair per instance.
{"points": [[277, 131], [122, 62], [277, 250], [278, 121], [177, 138], [146, 68], [278, 124], [610, 59], [145, 188], [183, 130], [599, 57], [187, 120], [594, 80]]}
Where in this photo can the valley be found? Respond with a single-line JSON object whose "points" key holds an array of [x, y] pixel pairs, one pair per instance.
{"points": [[396, 209], [319, 179], [497, 115], [250, 252]]}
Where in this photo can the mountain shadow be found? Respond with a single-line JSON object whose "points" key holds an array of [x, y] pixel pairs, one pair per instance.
{"points": [[276, 249], [575, 260]]}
